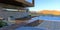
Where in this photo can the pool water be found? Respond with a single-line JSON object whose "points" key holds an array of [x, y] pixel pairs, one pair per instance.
{"points": [[49, 17], [30, 28]]}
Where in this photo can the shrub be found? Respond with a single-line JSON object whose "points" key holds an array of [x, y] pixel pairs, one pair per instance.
{"points": [[2, 24]]}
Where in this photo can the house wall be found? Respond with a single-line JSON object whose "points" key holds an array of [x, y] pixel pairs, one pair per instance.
{"points": [[6, 14]]}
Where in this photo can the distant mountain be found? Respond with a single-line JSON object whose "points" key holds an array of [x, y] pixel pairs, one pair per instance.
{"points": [[53, 12]]}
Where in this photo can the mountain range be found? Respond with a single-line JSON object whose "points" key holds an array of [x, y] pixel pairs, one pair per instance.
{"points": [[53, 12]]}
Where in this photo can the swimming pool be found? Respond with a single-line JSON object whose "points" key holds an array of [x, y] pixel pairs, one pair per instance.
{"points": [[49, 17], [30, 28]]}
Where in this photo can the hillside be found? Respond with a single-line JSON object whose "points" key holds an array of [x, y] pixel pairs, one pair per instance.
{"points": [[53, 12]]}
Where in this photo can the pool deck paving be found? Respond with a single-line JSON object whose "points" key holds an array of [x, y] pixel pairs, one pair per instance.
{"points": [[50, 25]]}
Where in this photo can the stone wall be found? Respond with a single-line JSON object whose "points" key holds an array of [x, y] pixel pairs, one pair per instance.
{"points": [[6, 14]]}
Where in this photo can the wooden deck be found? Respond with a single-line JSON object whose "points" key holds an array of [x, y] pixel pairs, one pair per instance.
{"points": [[34, 23], [20, 23]]}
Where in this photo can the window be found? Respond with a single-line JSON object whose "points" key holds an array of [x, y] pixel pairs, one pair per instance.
{"points": [[27, 10], [15, 10], [11, 10], [29, 1]]}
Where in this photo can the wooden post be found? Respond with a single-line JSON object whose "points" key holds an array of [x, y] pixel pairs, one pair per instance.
{"points": [[33, 2]]}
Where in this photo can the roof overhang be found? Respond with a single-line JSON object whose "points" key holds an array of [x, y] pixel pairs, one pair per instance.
{"points": [[21, 3]]}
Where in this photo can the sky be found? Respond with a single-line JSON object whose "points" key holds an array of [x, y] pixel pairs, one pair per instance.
{"points": [[45, 5]]}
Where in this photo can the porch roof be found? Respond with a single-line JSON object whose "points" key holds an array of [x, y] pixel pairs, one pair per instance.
{"points": [[21, 3]]}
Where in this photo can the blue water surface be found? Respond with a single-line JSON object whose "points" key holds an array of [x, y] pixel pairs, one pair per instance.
{"points": [[30, 28], [49, 17]]}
